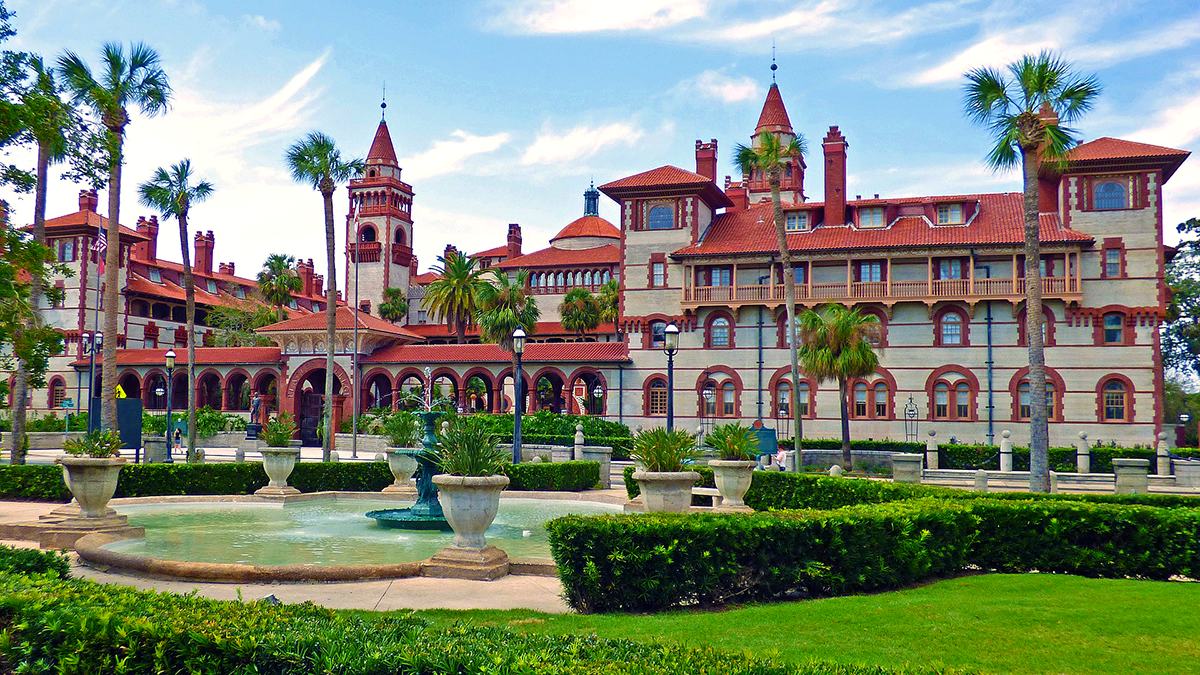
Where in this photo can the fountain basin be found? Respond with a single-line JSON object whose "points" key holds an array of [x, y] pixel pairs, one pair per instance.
{"points": [[405, 519]]}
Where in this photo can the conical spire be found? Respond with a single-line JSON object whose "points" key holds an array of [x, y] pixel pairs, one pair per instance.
{"points": [[382, 151], [774, 115]]}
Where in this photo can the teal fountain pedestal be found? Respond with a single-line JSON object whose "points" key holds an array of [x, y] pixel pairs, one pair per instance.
{"points": [[426, 514]]}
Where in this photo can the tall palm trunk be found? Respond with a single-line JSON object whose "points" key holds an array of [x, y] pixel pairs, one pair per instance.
{"points": [[789, 295], [112, 262], [1039, 432], [191, 335], [20, 399], [844, 404], [327, 188]]}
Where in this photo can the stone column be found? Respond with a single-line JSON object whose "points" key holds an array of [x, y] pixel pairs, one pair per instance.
{"points": [[1006, 451], [396, 393], [1131, 474], [1083, 454], [906, 467], [578, 453], [981, 481], [931, 450], [339, 402], [1164, 455]]}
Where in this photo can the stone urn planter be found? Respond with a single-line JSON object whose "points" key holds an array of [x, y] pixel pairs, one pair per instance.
{"points": [[732, 478], [93, 482], [666, 491], [403, 464], [470, 504], [278, 463]]}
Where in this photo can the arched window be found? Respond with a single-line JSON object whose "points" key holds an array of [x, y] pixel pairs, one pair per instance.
{"points": [[708, 400], [802, 398], [882, 401], [962, 401], [371, 173], [953, 397], [658, 334], [1023, 406], [579, 278], [657, 403], [1114, 328], [400, 238], [587, 278], [606, 277], [1116, 401], [58, 393], [559, 283], [728, 400], [950, 329], [784, 396], [661, 218], [1110, 195], [860, 400], [719, 333], [367, 234], [941, 401]]}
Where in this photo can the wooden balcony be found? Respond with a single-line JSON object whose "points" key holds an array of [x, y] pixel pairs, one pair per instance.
{"points": [[401, 255], [365, 252]]}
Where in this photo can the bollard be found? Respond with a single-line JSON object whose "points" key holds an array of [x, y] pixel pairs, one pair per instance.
{"points": [[1132, 475], [578, 454], [1054, 482], [1083, 454], [835, 471], [1164, 455], [931, 451], [981, 481], [790, 461], [1006, 451]]}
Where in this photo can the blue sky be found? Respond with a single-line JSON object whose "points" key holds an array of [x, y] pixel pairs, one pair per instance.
{"points": [[501, 111]]}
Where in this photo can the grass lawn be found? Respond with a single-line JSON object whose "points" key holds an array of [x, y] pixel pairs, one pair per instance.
{"points": [[997, 623]]}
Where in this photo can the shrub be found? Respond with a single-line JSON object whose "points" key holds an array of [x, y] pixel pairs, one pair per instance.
{"points": [[32, 561], [403, 430], [340, 476], [566, 476], [279, 431], [733, 441], [467, 448], [36, 482], [98, 444], [659, 449], [649, 562]]}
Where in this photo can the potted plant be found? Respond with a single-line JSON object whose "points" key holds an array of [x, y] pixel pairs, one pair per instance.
{"points": [[90, 469], [471, 481], [279, 455], [736, 447], [665, 481], [404, 443]]}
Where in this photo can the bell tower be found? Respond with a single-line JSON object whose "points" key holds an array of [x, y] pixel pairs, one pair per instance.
{"points": [[378, 226]]}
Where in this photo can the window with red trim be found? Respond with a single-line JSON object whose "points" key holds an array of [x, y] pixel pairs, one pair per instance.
{"points": [[719, 333], [953, 398], [871, 400], [656, 403], [1023, 400], [1113, 328], [951, 329], [1116, 402], [1112, 259]]}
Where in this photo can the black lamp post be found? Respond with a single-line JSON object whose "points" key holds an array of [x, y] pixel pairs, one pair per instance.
{"points": [[670, 346], [598, 394], [170, 356], [94, 342], [518, 345]]}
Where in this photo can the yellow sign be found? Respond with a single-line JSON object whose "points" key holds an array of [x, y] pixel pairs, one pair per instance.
{"points": [[120, 392]]}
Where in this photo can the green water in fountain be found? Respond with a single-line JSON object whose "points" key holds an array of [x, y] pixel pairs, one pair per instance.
{"points": [[324, 532]]}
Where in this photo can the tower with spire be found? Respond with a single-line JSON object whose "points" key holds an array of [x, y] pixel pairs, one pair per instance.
{"points": [[378, 226], [773, 120]]}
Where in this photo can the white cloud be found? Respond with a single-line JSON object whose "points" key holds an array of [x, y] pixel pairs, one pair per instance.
{"points": [[260, 22], [717, 85], [469, 232], [448, 156], [579, 143], [590, 16]]}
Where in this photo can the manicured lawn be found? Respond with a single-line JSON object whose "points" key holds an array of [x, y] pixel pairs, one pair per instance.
{"points": [[1029, 623]]}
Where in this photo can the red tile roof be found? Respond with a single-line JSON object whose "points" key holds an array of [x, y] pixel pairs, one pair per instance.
{"points": [[999, 221], [495, 252], [204, 356], [91, 219], [425, 278], [663, 175], [1108, 149], [440, 330], [588, 226], [556, 352], [774, 115], [344, 320], [138, 284], [382, 150], [609, 254]]}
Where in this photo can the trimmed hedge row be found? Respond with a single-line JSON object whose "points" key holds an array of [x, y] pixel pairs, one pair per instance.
{"points": [[80, 626], [652, 562], [42, 482], [621, 445], [33, 561], [836, 444]]}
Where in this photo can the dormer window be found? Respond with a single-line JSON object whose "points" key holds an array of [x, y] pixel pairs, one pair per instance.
{"points": [[241, 292], [1111, 194], [212, 287], [949, 214], [155, 276], [870, 217], [660, 218], [797, 221]]}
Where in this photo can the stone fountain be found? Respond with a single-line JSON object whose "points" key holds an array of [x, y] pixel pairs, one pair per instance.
{"points": [[426, 513]]}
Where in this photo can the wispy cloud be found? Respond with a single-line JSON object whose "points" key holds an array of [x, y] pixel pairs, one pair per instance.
{"points": [[579, 143], [448, 156], [591, 16], [260, 22], [716, 84]]}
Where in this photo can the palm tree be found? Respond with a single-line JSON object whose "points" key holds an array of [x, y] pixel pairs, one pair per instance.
{"points": [[504, 306], [235, 323], [47, 120], [771, 156], [609, 298], [837, 346], [125, 79], [316, 160], [394, 306], [278, 281], [580, 311], [172, 193], [1026, 113], [454, 295]]}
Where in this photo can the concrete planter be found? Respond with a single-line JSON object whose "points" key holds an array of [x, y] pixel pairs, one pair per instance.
{"points": [[1187, 472], [278, 463], [906, 467], [1132, 475], [733, 480], [403, 465], [92, 481], [666, 491], [470, 504]]}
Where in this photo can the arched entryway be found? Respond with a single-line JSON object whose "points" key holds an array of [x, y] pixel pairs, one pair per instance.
{"points": [[130, 384], [308, 395], [505, 392], [237, 390], [548, 390], [151, 398], [377, 391], [208, 390], [588, 387], [479, 391]]}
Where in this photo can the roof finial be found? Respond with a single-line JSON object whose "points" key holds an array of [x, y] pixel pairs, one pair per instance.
{"points": [[774, 67], [383, 103]]}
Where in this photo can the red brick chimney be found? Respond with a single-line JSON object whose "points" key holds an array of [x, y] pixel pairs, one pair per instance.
{"points": [[305, 270], [88, 200], [318, 282], [226, 268], [204, 252], [412, 266], [706, 159], [737, 195], [835, 176], [514, 241], [450, 250], [146, 250]]}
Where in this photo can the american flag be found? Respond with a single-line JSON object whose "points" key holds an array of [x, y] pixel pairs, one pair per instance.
{"points": [[101, 248]]}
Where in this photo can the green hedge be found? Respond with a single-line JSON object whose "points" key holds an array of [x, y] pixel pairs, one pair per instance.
{"points": [[651, 562], [76, 626], [836, 444], [33, 561], [43, 482], [706, 480], [1060, 459]]}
